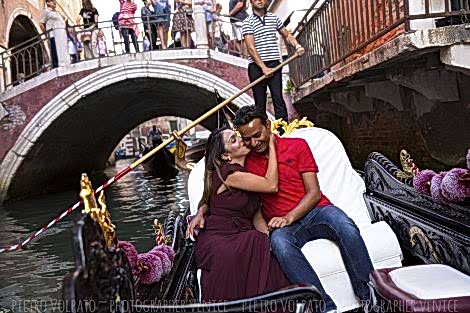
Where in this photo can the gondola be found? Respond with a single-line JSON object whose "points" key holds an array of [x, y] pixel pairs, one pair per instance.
{"points": [[186, 156], [395, 221], [430, 231], [161, 164], [196, 152]]}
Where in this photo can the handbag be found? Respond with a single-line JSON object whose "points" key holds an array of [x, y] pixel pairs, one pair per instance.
{"points": [[188, 10], [86, 36]]}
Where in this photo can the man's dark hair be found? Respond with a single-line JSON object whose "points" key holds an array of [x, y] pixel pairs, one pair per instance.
{"points": [[248, 113]]}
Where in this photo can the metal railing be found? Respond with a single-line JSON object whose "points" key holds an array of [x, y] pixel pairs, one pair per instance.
{"points": [[33, 57], [340, 28], [28, 58], [224, 43]]}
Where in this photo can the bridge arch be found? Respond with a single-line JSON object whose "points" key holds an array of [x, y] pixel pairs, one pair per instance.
{"points": [[78, 129]]}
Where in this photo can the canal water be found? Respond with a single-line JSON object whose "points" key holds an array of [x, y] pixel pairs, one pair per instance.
{"points": [[31, 279]]}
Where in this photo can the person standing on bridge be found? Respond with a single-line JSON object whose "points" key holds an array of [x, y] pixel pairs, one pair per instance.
{"points": [[53, 23], [89, 15], [127, 25], [237, 14], [260, 32]]}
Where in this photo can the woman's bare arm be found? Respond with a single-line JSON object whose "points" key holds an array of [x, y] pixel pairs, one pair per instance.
{"points": [[255, 183]]}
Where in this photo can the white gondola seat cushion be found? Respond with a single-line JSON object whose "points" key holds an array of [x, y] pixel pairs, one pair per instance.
{"points": [[424, 288]]}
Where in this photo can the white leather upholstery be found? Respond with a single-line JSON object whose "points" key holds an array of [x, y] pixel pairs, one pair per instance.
{"points": [[196, 186], [325, 258], [432, 281], [345, 188], [338, 180]]}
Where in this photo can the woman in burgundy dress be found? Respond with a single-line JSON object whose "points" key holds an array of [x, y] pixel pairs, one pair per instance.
{"points": [[233, 249]]}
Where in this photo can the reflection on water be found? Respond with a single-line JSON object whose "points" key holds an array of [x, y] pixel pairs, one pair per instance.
{"points": [[35, 273]]}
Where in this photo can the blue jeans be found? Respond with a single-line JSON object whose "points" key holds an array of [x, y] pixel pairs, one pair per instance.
{"points": [[328, 222]]}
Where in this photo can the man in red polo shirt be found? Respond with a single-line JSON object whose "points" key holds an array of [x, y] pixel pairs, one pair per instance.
{"points": [[299, 212]]}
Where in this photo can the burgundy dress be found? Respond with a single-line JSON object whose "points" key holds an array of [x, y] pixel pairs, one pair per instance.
{"points": [[234, 257]]}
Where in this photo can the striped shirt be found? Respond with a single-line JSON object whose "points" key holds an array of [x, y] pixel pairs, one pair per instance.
{"points": [[126, 18], [264, 29], [127, 7]]}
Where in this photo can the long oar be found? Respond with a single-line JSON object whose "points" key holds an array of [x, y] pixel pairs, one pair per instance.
{"points": [[148, 155]]}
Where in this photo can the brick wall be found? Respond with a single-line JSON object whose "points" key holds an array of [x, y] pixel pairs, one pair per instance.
{"points": [[25, 106], [388, 131]]}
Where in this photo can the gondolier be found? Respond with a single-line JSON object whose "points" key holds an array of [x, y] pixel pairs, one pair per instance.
{"points": [[155, 135], [260, 32]]}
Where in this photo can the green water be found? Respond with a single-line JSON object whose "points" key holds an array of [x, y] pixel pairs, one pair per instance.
{"points": [[31, 279]]}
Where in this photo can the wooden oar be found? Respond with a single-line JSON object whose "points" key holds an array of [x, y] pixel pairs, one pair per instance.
{"points": [[209, 113], [148, 155]]}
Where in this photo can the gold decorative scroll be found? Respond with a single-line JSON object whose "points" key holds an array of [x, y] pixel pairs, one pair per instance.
{"points": [[416, 231], [291, 127], [409, 168], [160, 238], [102, 215]]}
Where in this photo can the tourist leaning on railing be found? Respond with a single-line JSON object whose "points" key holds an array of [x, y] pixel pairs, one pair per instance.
{"points": [[101, 47], [74, 45], [150, 28], [127, 24], [162, 10], [89, 16], [183, 22], [217, 28], [52, 21], [237, 15]]}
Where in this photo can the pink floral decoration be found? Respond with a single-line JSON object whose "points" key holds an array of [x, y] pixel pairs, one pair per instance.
{"points": [[130, 252], [453, 188], [422, 181], [436, 187], [166, 263], [151, 269], [166, 249]]}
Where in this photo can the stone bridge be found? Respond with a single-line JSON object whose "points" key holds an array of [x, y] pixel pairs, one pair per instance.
{"points": [[68, 121]]}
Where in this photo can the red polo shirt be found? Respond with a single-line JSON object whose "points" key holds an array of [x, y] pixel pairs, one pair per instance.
{"points": [[294, 157]]}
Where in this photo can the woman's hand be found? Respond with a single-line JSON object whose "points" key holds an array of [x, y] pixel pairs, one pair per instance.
{"points": [[272, 142], [197, 221]]}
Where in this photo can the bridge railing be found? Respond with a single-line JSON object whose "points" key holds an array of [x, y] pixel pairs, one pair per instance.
{"points": [[334, 30], [27, 59], [34, 57]]}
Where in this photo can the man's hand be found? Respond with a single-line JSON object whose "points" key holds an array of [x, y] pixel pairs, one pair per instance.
{"points": [[267, 71], [280, 222], [300, 51], [198, 220]]}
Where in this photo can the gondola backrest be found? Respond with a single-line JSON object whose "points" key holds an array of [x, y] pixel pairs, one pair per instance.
{"points": [[338, 180], [196, 186]]}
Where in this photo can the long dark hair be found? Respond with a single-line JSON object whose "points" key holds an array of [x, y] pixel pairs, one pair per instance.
{"points": [[215, 148], [88, 5]]}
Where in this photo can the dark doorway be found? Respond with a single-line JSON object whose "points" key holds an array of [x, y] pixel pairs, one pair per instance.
{"points": [[26, 54]]}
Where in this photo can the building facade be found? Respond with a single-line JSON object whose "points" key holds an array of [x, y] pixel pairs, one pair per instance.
{"points": [[20, 22]]}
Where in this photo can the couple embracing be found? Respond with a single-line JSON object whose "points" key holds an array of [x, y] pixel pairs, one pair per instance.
{"points": [[261, 204]]}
